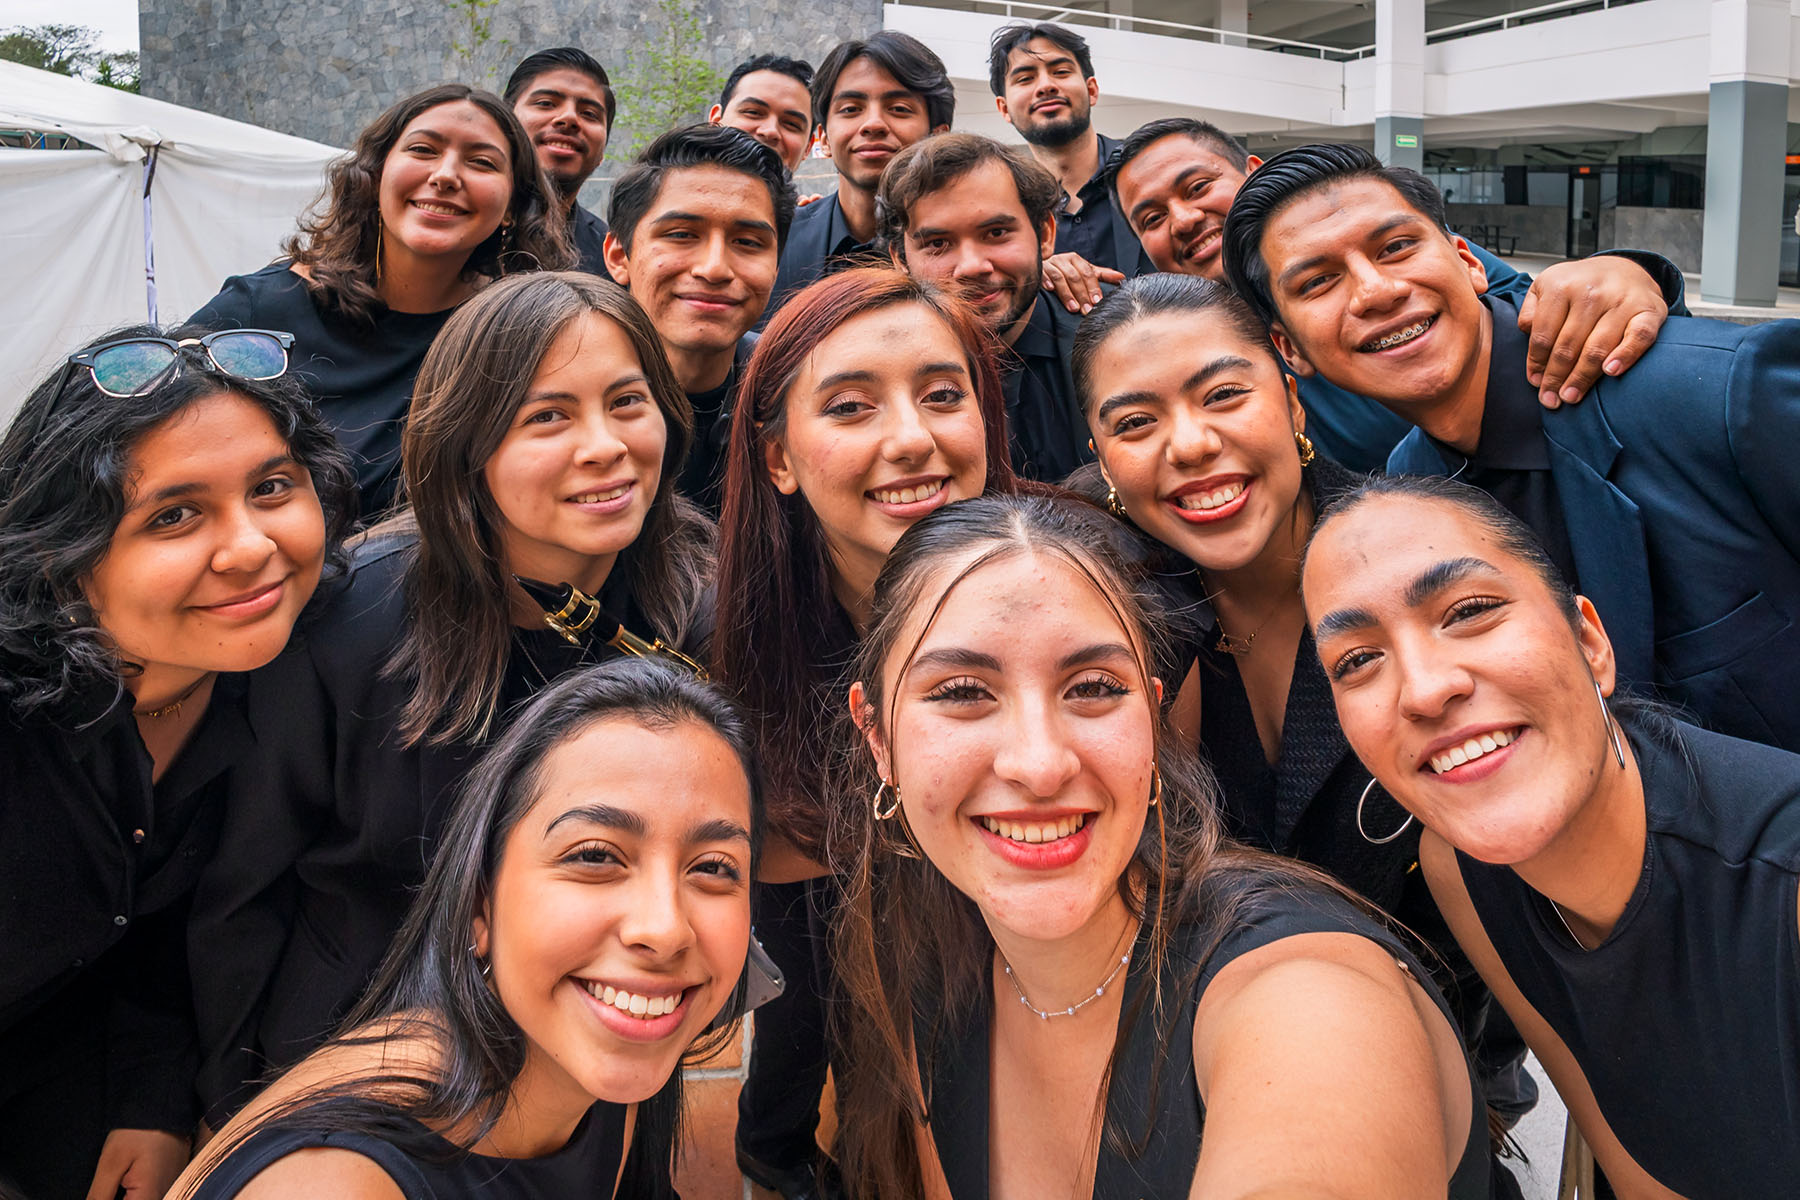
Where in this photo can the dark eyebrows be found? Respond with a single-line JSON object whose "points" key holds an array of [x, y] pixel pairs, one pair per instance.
{"points": [[611, 816], [1439, 576], [1382, 230], [694, 218], [629, 379], [1097, 652], [1199, 379], [719, 829], [1180, 178], [955, 658], [1424, 586], [997, 221], [176, 490], [1050, 61], [941, 368]]}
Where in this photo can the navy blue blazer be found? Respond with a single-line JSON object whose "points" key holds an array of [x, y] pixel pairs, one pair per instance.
{"points": [[805, 253], [1680, 488]]}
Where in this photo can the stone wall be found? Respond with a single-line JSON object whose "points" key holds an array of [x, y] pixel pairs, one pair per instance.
{"points": [[323, 69], [1674, 233], [1540, 228]]}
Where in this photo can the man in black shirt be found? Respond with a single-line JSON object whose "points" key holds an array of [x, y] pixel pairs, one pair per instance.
{"points": [[973, 216], [565, 101], [1043, 81], [698, 222], [873, 98], [769, 97]]}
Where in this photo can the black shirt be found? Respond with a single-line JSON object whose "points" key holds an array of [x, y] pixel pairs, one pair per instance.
{"points": [[1092, 231], [97, 864], [331, 823], [1045, 431], [1152, 1096], [360, 375], [819, 243], [703, 474], [1686, 1019], [589, 235], [1511, 463], [428, 1167]]}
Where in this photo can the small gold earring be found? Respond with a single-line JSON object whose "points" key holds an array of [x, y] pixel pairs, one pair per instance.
{"points": [[1307, 454], [1114, 505], [1155, 785]]}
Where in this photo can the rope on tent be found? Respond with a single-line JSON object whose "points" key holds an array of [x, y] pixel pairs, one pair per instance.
{"points": [[149, 237]]}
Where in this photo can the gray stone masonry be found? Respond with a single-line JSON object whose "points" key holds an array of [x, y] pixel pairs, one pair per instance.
{"points": [[324, 70]]}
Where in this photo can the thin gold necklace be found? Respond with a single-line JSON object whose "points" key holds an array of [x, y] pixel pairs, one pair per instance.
{"points": [[1238, 647], [1124, 961], [174, 706]]}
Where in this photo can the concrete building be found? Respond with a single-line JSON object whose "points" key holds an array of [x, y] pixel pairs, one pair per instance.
{"points": [[1555, 128]]}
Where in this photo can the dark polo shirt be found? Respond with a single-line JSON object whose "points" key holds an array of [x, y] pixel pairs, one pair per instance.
{"points": [[1044, 428]]}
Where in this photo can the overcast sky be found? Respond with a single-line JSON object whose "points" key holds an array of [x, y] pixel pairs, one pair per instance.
{"points": [[117, 20]]}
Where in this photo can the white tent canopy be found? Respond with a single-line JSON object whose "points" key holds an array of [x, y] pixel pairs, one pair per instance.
{"points": [[222, 195]]}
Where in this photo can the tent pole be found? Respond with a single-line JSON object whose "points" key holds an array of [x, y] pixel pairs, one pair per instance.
{"points": [[149, 237]]}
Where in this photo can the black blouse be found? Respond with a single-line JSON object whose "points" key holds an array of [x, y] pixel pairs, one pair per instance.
{"points": [[331, 826], [97, 865], [427, 1167], [1153, 1099], [1686, 1019]]}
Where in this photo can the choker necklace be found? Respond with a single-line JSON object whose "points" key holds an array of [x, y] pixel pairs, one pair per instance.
{"points": [[173, 708], [1124, 960]]}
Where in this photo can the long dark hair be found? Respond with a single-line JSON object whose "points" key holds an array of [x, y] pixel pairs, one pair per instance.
{"points": [[476, 374], [64, 468], [912, 951], [431, 985], [782, 637], [338, 236]]}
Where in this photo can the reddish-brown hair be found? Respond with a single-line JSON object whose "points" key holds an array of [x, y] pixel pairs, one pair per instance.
{"points": [[782, 639]]}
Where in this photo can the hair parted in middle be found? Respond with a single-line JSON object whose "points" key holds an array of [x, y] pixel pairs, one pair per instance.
{"points": [[698, 145], [936, 162], [430, 986], [1012, 37], [474, 378], [339, 235], [781, 636], [911, 62], [914, 954]]}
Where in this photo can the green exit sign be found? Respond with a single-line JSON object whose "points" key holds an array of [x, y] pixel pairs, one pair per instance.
{"points": [[1407, 141]]}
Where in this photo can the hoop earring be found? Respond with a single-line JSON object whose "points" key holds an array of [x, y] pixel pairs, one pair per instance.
{"points": [[378, 252], [893, 809], [481, 962], [1362, 829], [1113, 504], [1307, 453], [1612, 726], [1155, 785]]}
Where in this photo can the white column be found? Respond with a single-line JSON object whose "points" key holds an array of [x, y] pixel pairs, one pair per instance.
{"points": [[1400, 82], [1234, 17]]}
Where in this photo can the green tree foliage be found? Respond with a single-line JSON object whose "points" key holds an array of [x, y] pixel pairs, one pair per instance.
{"points": [[665, 83], [70, 50], [473, 43]]}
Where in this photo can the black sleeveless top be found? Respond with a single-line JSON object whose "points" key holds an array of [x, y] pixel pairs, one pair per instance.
{"points": [[1153, 1086], [430, 1168], [1686, 1019]]}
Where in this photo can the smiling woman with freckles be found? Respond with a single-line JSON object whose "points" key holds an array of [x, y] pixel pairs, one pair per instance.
{"points": [[168, 504], [1062, 979], [1628, 884], [580, 936], [871, 400], [543, 533]]}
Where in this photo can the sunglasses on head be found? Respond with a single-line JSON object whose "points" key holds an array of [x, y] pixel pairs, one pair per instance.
{"points": [[134, 366]]}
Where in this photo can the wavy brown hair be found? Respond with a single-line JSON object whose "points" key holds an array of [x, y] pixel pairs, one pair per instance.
{"points": [[458, 587], [783, 639], [338, 236], [914, 954]]}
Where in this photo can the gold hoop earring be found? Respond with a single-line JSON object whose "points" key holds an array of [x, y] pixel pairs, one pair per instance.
{"points": [[1363, 829], [1612, 726], [1113, 504], [378, 240], [1155, 785], [1307, 453], [893, 809]]}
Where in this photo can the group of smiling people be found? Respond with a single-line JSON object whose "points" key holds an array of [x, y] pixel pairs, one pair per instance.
{"points": [[1215, 822]]}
